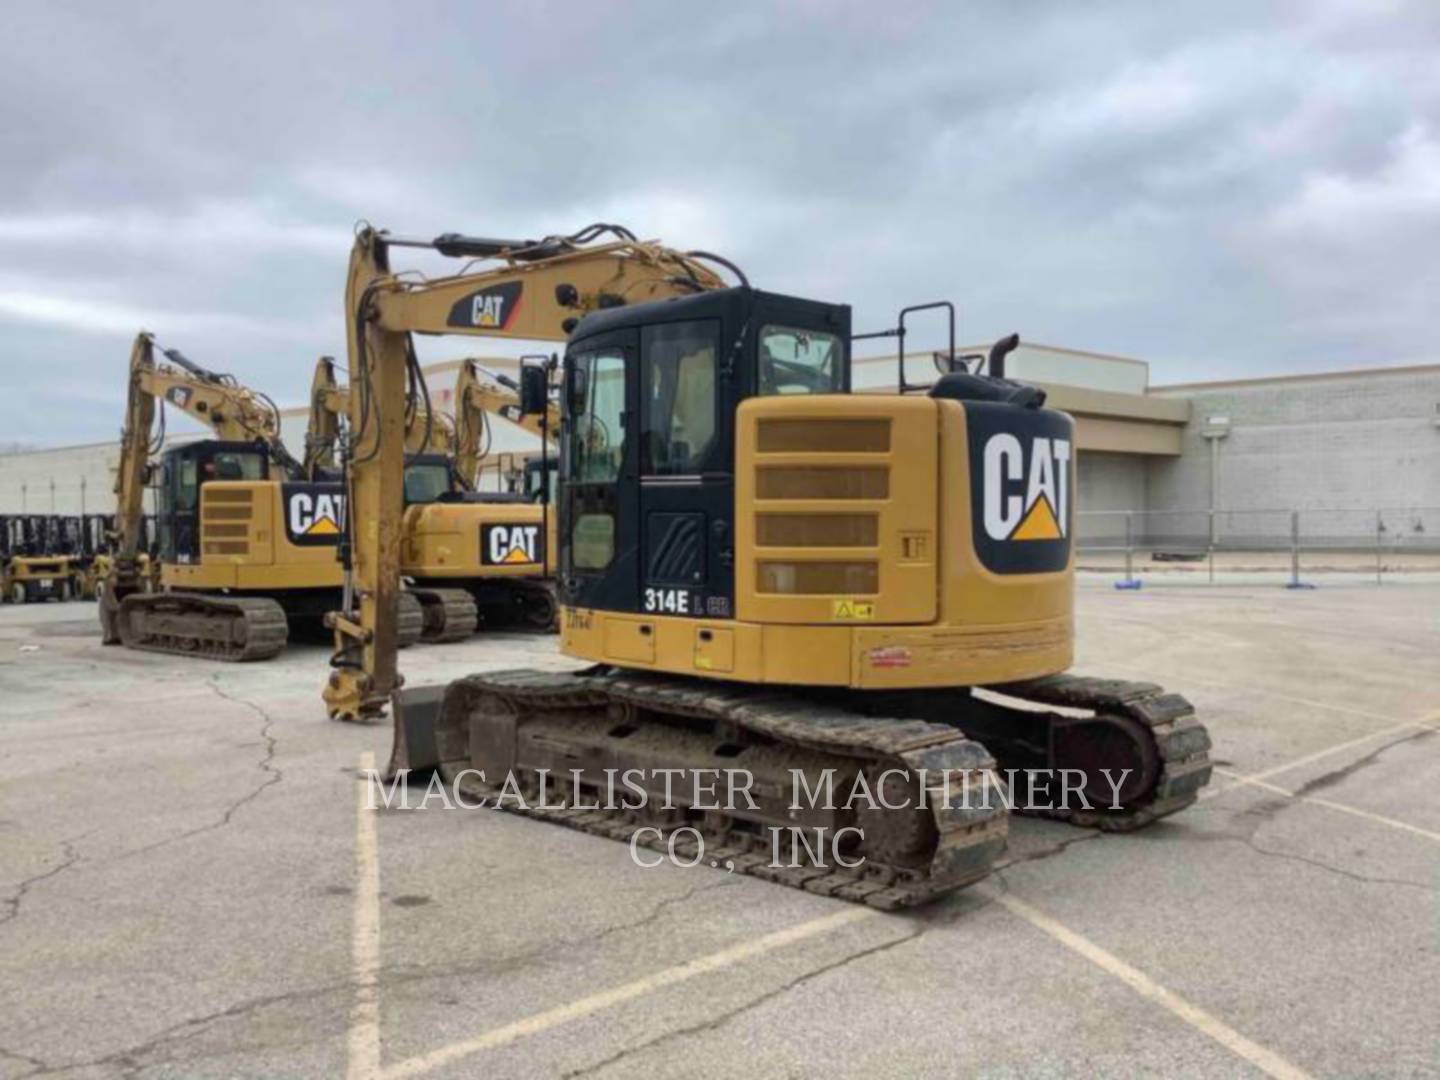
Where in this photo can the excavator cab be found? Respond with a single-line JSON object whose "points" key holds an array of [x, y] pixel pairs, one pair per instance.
{"points": [[647, 499]]}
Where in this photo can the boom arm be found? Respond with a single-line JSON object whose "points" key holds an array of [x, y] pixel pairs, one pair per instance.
{"points": [[538, 292], [329, 402], [477, 396], [233, 412]]}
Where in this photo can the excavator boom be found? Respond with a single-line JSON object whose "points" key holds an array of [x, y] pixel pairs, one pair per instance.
{"points": [[525, 290]]}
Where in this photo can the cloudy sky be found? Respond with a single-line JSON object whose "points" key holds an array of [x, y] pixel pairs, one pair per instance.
{"points": [[1222, 189]]}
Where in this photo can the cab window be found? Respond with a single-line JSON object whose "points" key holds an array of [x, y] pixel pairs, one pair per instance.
{"points": [[679, 396], [597, 436], [186, 485], [425, 483], [236, 465], [796, 361], [597, 451]]}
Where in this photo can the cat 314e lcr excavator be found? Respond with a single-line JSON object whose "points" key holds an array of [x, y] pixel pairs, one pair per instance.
{"points": [[247, 545], [770, 574]]}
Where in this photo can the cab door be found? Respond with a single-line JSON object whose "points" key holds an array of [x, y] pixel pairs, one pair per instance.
{"points": [[599, 551], [177, 508], [686, 483]]}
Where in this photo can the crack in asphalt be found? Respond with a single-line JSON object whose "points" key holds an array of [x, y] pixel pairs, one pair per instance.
{"points": [[1262, 812], [397, 976], [266, 764], [129, 1058], [1049, 852], [1330, 867], [716, 1022], [14, 901], [132, 1060], [37, 1066], [1335, 776]]}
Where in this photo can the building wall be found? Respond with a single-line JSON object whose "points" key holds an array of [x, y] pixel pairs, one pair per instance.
{"points": [[83, 478], [1107, 483], [1327, 442]]}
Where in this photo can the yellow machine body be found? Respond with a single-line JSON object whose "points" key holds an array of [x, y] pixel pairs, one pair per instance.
{"points": [[245, 545], [463, 540], [855, 563]]}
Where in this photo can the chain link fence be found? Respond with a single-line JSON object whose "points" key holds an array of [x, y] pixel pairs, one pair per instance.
{"points": [[1286, 545]]}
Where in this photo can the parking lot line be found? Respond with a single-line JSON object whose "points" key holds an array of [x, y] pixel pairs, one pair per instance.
{"points": [[1330, 804], [364, 1040], [616, 995], [1424, 723], [1309, 703], [1261, 1057]]}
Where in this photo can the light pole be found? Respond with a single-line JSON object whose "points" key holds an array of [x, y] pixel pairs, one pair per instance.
{"points": [[1215, 429]]}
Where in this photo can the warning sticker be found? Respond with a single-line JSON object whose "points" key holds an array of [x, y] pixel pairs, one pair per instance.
{"points": [[861, 610]]}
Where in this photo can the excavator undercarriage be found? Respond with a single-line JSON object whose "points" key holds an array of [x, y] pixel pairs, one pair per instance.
{"points": [[220, 627], [902, 798]]}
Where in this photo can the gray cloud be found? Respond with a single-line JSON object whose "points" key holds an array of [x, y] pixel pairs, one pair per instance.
{"points": [[1221, 189]]}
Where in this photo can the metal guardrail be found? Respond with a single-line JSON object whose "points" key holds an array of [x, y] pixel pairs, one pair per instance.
{"points": [[1368, 541]]}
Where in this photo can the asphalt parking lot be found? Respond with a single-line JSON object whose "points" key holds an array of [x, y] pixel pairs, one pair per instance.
{"points": [[189, 886]]}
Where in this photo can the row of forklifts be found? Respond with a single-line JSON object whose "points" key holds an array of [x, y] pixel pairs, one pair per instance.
{"points": [[62, 556]]}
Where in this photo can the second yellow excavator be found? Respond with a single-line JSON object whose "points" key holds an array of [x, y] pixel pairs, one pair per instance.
{"points": [[470, 557], [246, 544]]}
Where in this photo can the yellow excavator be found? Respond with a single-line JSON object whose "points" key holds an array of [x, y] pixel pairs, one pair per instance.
{"points": [[769, 575], [470, 557], [507, 536], [448, 614], [246, 545]]}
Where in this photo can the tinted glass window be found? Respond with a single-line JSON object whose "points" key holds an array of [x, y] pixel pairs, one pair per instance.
{"points": [[795, 361], [597, 451], [187, 486], [597, 436], [426, 483], [235, 465], [679, 396]]}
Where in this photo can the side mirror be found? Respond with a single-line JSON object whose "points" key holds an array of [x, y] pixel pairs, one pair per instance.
{"points": [[534, 390]]}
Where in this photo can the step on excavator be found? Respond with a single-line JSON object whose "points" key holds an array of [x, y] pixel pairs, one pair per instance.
{"points": [[245, 545], [768, 573]]}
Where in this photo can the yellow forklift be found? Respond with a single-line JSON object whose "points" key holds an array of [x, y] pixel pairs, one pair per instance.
{"points": [[35, 567]]}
